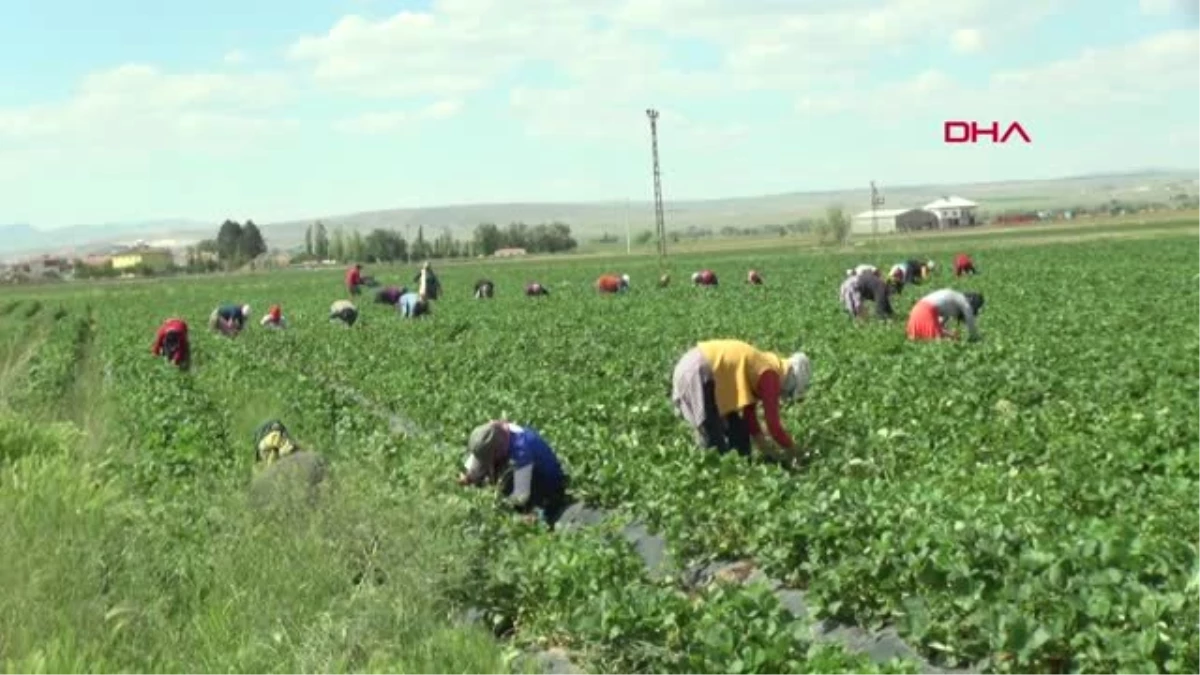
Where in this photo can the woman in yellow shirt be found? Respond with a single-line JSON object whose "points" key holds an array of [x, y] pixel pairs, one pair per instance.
{"points": [[718, 384]]}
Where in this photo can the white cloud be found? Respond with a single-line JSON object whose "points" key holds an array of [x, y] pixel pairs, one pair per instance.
{"points": [[234, 57], [966, 40], [615, 62], [138, 108], [1139, 74], [391, 121]]}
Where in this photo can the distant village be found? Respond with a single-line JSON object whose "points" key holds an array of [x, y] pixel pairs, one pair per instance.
{"points": [[241, 247]]}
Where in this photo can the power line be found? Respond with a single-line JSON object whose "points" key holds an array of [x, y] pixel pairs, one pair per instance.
{"points": [[659, 224]]}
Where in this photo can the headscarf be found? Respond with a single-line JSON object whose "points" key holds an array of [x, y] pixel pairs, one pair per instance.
{"points": [[799, 375], [246, 311]]}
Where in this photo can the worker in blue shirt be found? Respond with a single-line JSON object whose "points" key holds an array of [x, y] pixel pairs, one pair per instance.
{"points": [[499, 449], [413, 305]]}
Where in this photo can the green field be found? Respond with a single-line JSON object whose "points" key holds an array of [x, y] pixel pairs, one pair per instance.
{"points": [[1024, 504]]}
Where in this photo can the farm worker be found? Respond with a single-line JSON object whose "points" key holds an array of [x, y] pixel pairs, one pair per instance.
{"points": [[344, 311], [484, 288], [717, 385], [859, 289], [284, 469], [229, 319], [354, 279], [964, 265], [428, 285], [704, 278], [863, 269], [929, 316], [538, 479], [753, 277], [390, 295], [664, 281], [413, 305], [611, 283], [274, 318], [928, 268], [536, 289], [171, 341]]}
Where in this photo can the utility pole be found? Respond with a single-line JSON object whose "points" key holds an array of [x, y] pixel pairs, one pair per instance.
{"points": [[628, 234], [659, 226], [876, 202]]}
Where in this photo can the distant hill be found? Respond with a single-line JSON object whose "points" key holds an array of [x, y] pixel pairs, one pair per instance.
{"points": [[594, 219], [81, 239], [590, 220]]}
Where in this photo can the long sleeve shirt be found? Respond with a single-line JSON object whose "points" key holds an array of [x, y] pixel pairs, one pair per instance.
{"points": [[484, 288], [353, 277], [178, 327], [871, 287], [706, 278], [744, 377], [535, 466], [536, 289], [411, 306], [951, 304], [768, 389]]}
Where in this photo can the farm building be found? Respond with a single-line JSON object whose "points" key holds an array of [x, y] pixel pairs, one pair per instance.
{"points": [[892, 220], [157, 259], [954, 211], [509, 252]]}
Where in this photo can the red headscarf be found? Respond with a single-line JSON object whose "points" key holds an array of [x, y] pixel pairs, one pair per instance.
{"points": [[275, 312]]}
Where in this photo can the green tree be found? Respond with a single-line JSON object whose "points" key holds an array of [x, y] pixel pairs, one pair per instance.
{"points": [[337, 246], [229, 243], [321, 241], [252, 242]]}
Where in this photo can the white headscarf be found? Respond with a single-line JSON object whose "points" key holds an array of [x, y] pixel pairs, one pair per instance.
{"points": [[246, 311], [799, 375]]}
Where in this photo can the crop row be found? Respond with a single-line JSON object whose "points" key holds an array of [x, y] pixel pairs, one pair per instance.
{"points": [[1012, 505], [191, 432]]}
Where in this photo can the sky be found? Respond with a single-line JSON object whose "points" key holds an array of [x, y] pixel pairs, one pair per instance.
{"points": [[132, 110]]}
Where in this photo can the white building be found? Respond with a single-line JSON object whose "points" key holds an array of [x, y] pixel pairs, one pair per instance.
{"points": [[953, 211], [892, 220]]}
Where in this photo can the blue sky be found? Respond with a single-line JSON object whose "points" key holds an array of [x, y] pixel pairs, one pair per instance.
{"points": [[130, 110]]}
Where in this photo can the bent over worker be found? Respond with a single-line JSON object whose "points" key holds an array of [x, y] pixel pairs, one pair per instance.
{"points": [[171, 342], [538, 481], [229, 319], [389, 295], [284, 469], [964, 265], [413, 305], [484, 288], [859, 289], [717, 385], [705, 278], [611, 283], [354, 280], [344, 311], [754, 278], [928, 318], [535, 290], [274, 318]]}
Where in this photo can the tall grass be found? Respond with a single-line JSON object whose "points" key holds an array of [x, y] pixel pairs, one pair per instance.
{"points": [[94, 578]]}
